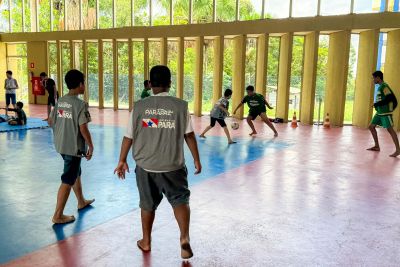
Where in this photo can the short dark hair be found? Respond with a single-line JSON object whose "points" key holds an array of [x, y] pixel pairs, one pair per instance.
{"points": [[74, 78], [9, 72], [250, 88], [146, 83], [228, 92], [378, 73], [160, 76], [43, 74], [20, 104]]}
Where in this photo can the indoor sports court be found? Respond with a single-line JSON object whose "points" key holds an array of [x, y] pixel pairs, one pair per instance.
{"points": [[311, 196]]}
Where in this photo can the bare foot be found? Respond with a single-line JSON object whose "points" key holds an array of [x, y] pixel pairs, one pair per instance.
{"points": [[63, 219], [276, 134], [186, 251], [202, 136], [253, 133], [85, 204], [395, 154], [374, 148], [231, 142], [142, 246], [45, 119]]}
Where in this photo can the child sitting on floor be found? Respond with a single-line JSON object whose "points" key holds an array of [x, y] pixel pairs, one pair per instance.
{"points": [[21, 116]]}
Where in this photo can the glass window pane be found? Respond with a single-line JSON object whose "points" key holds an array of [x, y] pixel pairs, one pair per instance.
{"points": [[17, 63], [160, 14], [396, 6], [65, 63], [228, 65], [52, 50], [58, 15], [105, 14], [173, 65], [277, 8], [296, 76], [338, 7], [108, 73], [141, 13], [4, 16], [27, 17], [304, 8], [138, 68], [123, 75], [226, 10], [44, 15], [208, 75], [123, 11], [322, 66], [202, 11], [189, 69], [272, 74], [366, 6], [93, 73], [78, 61], [16, 16], [89, 14], [351, 79], [250, 9], [181, 12], [154, 54], [251, 61]]}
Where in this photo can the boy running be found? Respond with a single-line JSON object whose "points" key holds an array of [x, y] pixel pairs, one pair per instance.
{"points": [[69, 120], [256, 103], [219, 113], [384, 107], [158, 127]]}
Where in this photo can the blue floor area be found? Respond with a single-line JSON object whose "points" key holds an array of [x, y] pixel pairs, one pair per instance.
{"points": [[32, 123], [30, 177]]}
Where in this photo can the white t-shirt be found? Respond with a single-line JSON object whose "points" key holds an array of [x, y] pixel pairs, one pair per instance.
{"points": [[129, 130], [10, 85]]}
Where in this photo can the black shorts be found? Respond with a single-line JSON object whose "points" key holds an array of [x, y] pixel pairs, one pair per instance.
{"points": [[72, 169], [255, 113], [152, 186], [220, 121], [51, 101]]}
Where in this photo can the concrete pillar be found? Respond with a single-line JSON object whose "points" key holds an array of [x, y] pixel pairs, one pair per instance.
{"points": [[392, 70], [262, 61], [115, 73], [3, 68], [285, 66], [146, 59], [218, 67], [37, 54], [85, 69], [180, 69], [238, 79], [131, 83], [309, 78], [101, 75], [164, 51], [198, 75], [366, 65], [336, 81], [60, 77]]}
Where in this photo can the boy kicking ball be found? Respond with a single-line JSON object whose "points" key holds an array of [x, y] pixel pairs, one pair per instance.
{"points": [[69, 120], [256, 103], [219, 113]]}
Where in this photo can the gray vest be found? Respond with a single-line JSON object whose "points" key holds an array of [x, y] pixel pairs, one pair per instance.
{"points": [[159, 125]]}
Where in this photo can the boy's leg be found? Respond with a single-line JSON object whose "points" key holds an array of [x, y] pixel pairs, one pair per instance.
{"points": [[62, 197], [48, 110], [393, 133], [265, 118], [205, 131], [250, 122], [230, 141], [147, 226], [182, 216], [82, 202], [372, 128]]}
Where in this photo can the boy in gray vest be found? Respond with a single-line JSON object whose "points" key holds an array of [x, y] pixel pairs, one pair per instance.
{"points": [[10, 85], [69, 120], [157, 129]]}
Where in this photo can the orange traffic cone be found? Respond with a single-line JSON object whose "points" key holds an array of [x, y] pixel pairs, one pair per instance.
{"points": [[294, 121], [327, 124]]}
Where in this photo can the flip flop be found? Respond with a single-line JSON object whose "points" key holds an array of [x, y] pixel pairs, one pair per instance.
{"points": [[186, 249], [142, 249]]}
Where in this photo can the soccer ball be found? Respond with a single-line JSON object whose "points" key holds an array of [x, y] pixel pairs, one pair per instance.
{"points": [[235, 125]]}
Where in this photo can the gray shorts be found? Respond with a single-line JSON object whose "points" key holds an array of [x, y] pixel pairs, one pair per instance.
{"points": [[152, 186]]}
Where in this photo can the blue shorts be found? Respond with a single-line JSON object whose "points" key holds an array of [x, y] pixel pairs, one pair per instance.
{"points": [[72, 169], [10, 99]]}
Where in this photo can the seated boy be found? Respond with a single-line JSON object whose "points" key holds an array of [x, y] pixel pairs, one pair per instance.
{"points": [[21, 116]]}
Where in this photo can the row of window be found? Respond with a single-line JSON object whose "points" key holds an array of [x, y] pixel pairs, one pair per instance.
{"points": [[60, 15]]}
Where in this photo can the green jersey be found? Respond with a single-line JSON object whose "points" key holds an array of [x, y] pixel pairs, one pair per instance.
{"points": [[383, 92], [145, 93], [256, 102]]}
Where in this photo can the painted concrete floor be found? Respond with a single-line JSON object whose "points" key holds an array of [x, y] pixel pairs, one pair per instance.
{"points": [[311, 197]]}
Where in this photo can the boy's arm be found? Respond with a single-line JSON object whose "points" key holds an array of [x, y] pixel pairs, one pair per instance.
{"points": [[267, 104], [241, 104], [389, 97], [16, 84], [222, 107], [88, 139], [122, 165], [190, 139]]}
